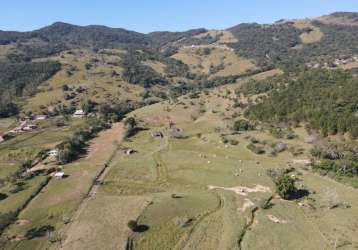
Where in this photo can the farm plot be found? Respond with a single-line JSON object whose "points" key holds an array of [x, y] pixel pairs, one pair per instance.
{"points": [[55, 205]]}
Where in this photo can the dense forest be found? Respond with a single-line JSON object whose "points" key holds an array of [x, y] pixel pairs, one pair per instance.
{"points": [[266, 43], [326, 99]]}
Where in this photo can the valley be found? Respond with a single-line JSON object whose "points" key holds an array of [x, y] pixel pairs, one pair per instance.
{"points": [[244, 138]]}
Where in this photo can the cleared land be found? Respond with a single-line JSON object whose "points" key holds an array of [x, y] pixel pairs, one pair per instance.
{"points": [[219, 62], [313, 36]]}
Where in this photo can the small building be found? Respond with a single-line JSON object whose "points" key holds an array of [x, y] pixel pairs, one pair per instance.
{"points": [[29, 127], [157, 134], [53, 153], [41, 117], [79, 114], [129, 151], [59, 175]]}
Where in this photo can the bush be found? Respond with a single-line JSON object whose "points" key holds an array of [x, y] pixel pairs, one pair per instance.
{"points": [[285, 184], [242, 125], [256, 149], [132, 225]]}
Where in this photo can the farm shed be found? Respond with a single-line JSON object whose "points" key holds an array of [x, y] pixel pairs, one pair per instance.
{"points": [[59, 175], [41, 117], [29, 127], [53, 152], [79, 113]]}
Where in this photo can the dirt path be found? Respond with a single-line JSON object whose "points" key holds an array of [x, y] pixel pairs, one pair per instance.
{"points": [[186, 238], [161, 168], [116, 132]]}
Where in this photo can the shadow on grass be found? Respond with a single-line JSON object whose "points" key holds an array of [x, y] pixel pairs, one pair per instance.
{"points": [[298, 194], [39, 231], [141, 228], [3, 196], [136, 130]]}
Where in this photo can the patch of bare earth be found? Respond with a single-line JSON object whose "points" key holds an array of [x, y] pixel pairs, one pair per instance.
{"points": [[275, 219], [243, 190], [247, 204]]}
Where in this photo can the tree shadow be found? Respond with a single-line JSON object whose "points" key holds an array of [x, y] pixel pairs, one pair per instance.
{"points": [[39, 232], [298, 194], [141, 228], [136, 130], [3, 196]]}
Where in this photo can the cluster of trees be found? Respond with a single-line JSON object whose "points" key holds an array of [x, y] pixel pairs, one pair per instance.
{"points": [[326, 99], [22, 79], [277, 44], [338, 40], [253, 87], [135, 72], [341, 159], [266, 43], [243, 125], [72, 147], [161, 39], [285, 184]]}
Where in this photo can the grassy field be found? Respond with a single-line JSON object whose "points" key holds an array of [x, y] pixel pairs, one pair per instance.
{"points": [[108, 231], [201, 189], [222, 218], [223, 62]]}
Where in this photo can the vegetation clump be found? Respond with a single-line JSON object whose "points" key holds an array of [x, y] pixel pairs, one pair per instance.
{"points": [[285, 184]]}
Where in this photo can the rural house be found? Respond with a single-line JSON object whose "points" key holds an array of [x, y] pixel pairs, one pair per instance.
{"points": [[53, 153], [79, 113], [29, 127], [41, 117]]}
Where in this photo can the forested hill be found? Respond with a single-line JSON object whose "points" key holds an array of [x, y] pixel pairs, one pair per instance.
{"points": [[175, 61], [276, 43]]}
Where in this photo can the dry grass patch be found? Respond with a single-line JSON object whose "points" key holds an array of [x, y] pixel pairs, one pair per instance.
{"points": [[223, 35], [309, 37], [223, 62]]}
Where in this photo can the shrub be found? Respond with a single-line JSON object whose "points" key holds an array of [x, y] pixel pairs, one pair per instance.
{"points": [[256, 149], [132, 225], [242, 125], [285, 184]]}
